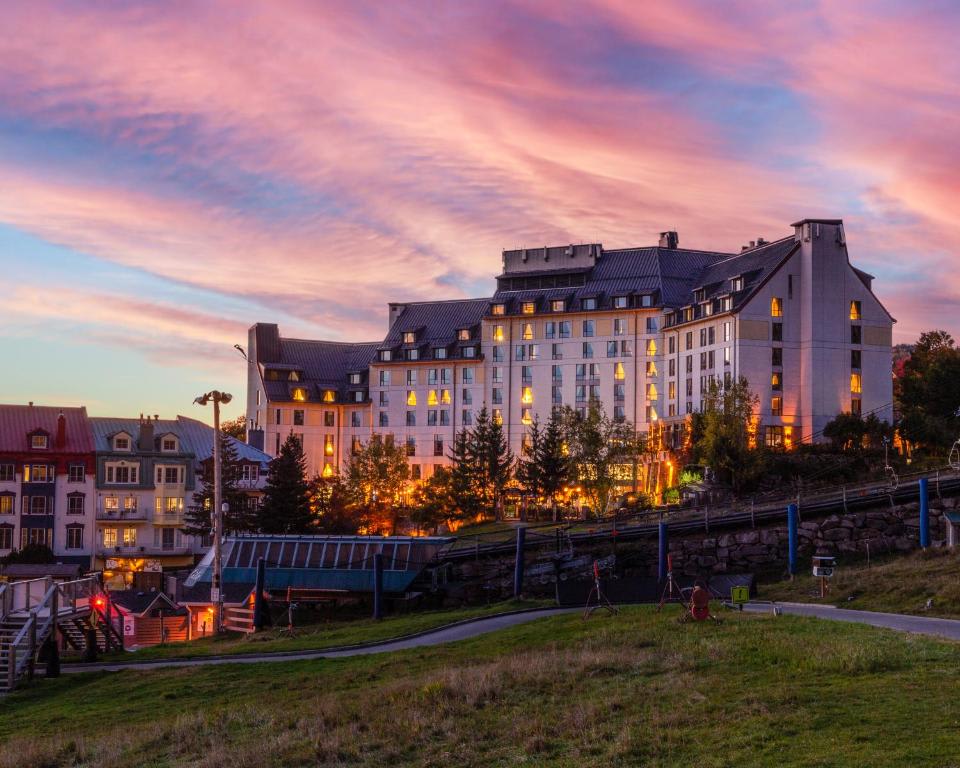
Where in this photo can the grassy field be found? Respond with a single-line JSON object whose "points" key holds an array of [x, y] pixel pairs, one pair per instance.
{"points": [[635, 689], [896, 584], [318, 636]]}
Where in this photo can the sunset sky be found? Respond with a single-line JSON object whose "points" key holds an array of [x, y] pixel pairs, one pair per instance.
{"points": [[171, 173]]}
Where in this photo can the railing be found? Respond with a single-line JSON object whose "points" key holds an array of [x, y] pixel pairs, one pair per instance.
{"points": [[24, 595], [140, 550], [19, 651], [121, 515]]}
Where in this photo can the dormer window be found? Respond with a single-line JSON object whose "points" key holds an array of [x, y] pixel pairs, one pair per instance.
{"points": [[463, 334], [646, 300], [736, 284], [688, 314], [409, 337], [329, 396], [385, 356], [498, 309], [620, 302], [413, 354], [358, 396], [299, 394], [168, 444], [293, 376], [707, 308], [558, 305], [356, 378], [589, 304], [39, 442], [440, 353], [726, 303], [469, 351], [121, 443], [528, 307], [698, 295]]}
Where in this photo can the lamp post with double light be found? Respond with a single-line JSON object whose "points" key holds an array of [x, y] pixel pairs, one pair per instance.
{"points": [[216, 585]]}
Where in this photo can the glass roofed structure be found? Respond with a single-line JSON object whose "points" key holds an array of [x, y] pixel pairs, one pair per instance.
{"points": [[340, 563]]}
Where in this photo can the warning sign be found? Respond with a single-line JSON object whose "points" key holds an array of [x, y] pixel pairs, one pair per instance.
{"points": [[739, 595]]}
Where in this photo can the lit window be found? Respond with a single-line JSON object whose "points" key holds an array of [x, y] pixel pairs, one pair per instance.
{"points": [[497, 416], [776, 406], [432, 397], [299, 394], [526, 395], [527, 331], [498, 309], [776, 307], [411, 397], [856, 383], [328, 445], [776, 381], [619, 372], [38, 441], [651, 347], [528, 307], [652, 368], [855, 313], [526, 415], [328, 470], [498, 333], [651, 391], [557, 305], [463, 334], [445, 396], [409, 337], [329, 396]]}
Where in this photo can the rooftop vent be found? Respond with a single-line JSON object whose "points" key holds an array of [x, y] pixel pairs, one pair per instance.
{"points": [[669, 240]]}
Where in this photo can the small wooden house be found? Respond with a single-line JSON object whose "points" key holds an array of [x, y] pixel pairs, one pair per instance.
{"points": [[150, 618]]}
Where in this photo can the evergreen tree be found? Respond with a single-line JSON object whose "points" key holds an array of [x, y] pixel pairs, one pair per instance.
{"points": [[463, 481], [529, 472], [492, 460], [553, 459], [239, 517], [286, 501]]}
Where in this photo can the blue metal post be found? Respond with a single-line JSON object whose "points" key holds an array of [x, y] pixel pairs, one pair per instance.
{"points": [[662, 551], [378, 586], [518, 564], [792, 537], [924, 514]]}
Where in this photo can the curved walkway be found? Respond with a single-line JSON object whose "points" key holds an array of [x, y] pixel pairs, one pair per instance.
{"points": [[920, 625], [949, 628], [448, 634]]}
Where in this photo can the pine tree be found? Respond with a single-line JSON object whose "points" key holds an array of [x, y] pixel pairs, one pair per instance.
{"points": [[286, 500], [553, 460], [463, 477], [529, 472], [492, 459], [239, 517]]}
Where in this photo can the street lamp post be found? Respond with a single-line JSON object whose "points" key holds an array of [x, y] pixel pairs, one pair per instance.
{"points": [[219, 507]]}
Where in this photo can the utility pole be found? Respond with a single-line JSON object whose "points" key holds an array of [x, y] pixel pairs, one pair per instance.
{"points": [[216, 581]]}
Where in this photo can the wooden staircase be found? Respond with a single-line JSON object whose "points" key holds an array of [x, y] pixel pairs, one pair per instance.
{"points": [[32, 611]]}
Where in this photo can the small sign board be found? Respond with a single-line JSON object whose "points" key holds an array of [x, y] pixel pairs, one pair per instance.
{"points": [[739, 595], [823, 566]]}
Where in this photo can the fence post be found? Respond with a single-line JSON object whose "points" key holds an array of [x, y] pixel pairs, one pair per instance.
{"points": [[924, 514], [792, 538], [518, 563], [662, 548], [260, 613], [378, 586]]}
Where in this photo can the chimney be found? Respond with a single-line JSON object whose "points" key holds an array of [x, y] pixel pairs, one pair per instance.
{"points": [[761, 241], [145, 440], [669, 240], [61, 440]]}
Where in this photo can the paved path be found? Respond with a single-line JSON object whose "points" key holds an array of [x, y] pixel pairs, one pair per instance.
{"points": [[949, 628], [448, 634], [921, 625]]}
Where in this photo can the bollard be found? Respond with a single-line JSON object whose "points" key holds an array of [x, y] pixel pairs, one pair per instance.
{"points": [[924, 514], [378, 586], [792, 538], [662, 551], [518, 564], [261, 614]]}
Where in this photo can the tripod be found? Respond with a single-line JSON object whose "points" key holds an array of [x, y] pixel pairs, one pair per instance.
{"points": [[602, 601], [670, 590]]}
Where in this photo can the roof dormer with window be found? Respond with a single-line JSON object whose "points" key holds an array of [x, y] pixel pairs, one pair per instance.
{"points": [[169, 443], [38, 440], [122, 442]]}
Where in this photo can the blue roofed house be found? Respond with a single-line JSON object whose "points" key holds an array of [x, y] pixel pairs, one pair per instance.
{"points": [[147, 471]]}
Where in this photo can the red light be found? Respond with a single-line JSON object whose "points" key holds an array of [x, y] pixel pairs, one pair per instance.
{"points": [[99, 602]]}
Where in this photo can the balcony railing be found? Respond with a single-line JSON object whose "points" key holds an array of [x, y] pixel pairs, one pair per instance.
{"points": [[142, 550], [122, 515]]}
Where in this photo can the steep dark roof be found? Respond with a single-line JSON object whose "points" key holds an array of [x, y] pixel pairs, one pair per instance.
{"points": [[323, 365], [137, 602], [755, 265], [436, 322]]}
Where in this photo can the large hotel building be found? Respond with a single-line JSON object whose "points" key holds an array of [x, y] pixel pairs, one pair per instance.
{"points": [[643, 330]]}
